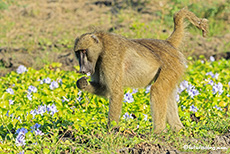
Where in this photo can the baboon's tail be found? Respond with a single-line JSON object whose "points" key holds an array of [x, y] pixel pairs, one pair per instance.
{"points": [[176, 37]]}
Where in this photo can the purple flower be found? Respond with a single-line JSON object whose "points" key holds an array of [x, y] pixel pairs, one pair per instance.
{"points": [[41, 81], [47, 80], [212, 59], [36, 130], [128, 97], [54, 85], [60, 81], [10, 91], [213, 75], [20, 139], [32, 89], [29, 96], [177, 97], [11, 102], [34, 113], [210, 82], [217, 88], [127, 116], [22, 130], [193, 108], [218, 108], [193, 92], [7, 113], [183, 107], [229, 83], [21, 69], [148, 89], [22, 152], [183, 85], [146, 117], [79, 99], [41, 110], [65, 99], [52, 109], [135, 91]]}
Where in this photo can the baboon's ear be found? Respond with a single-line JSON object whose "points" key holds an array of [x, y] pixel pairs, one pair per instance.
{"points": [[76, 41], [94, 37]]}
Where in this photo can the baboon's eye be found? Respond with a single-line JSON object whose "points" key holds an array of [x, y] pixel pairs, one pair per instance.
{"points": [[77, 53], [84, 51]]}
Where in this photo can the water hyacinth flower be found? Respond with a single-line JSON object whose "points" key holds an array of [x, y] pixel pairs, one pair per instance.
{"points": [[7, 113], [177, 97], [11, 102], [54, 85], [135, 91], [33, 112], [229, 83], [212, 59], [22, 130], [218, 108], [32, 89], [79, 98], [217, 88], [21, 69], [47, 80], [210, 82], [183, 85], [189, 88], [88, 74], [193, 108], [128, 97], [65, 99], [10, 91], [145, 117], [29, 96], [148, 89], [41, 110], [60, 81], [183, 107], [22, 152], [213, 75], [20, 139], [193, 92], [52, 109], [36, 130], [126, 116]]}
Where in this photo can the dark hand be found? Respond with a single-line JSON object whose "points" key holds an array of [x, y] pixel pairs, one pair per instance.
{"points": [[82, 83]]}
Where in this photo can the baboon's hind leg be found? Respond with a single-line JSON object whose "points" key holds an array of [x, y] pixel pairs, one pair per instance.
{"points": [[172, 112], [160, 93]]}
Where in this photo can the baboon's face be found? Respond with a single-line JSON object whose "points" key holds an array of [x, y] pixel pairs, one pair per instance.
{"points": [[87, 49]]}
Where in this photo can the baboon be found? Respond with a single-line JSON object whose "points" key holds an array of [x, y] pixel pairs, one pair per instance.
{"points": [[115, 62]]}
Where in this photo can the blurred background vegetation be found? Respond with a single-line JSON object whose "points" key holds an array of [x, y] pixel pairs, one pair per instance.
{"points": [[34, 33]]}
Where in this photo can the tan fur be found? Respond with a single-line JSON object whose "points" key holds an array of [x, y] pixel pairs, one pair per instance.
{"points": [[117, 62]]}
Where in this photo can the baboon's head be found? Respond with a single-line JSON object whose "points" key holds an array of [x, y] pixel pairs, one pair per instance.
{"points": [[87, 50]]}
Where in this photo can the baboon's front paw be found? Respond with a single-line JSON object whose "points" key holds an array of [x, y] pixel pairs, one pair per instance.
{"points": [[82, 83]]}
